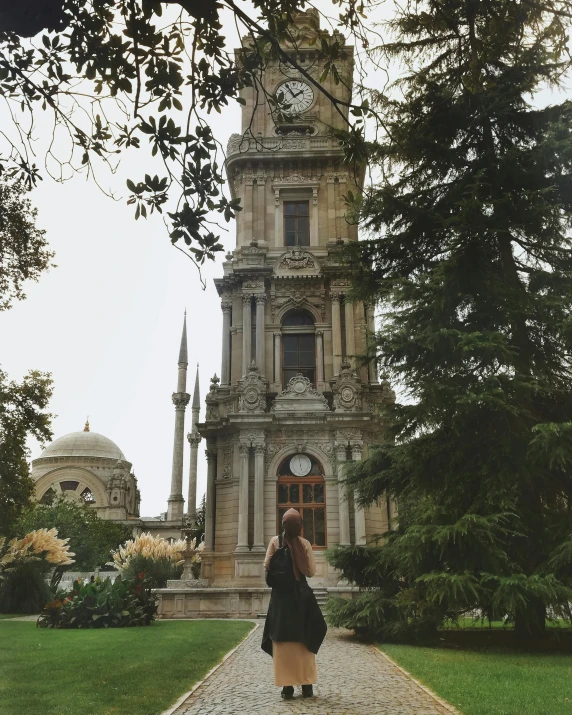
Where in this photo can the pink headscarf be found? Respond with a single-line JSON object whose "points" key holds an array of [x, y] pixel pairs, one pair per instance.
{"points": [[292, 523]]}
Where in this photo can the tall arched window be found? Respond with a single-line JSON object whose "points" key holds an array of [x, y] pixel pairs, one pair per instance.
{"points": [[306, 494], [298, 346]]}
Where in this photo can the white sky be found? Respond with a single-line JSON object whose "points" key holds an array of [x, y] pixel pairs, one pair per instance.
{"points": [[107, 321]]}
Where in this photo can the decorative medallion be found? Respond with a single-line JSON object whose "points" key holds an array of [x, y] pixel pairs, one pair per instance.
{"points": [[347, 390], [253, 387], [300, 396]]}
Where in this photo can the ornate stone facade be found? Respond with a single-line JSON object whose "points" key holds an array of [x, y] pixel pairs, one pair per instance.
{"points": [[293, 384]]}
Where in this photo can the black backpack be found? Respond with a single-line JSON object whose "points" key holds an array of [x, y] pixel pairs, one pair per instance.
{"points": [[280, 574]]}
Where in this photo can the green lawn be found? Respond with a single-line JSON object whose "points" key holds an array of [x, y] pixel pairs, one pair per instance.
{"points": [[494, 681], [120, 671]]}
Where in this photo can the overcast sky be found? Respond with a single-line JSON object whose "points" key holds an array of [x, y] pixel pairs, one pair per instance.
{"points": [[107, 321]]}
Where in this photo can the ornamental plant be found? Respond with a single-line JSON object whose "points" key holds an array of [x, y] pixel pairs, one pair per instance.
{"points": [[24, 566], [158, 558], [102, 604]]}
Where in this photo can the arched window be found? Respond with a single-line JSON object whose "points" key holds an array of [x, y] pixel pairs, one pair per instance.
{"points": [[87, 496], [307, 495], [298, 346], [48, 497]]}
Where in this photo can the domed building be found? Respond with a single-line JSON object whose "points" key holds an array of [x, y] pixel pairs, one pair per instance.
{"points": [[89, 467]]}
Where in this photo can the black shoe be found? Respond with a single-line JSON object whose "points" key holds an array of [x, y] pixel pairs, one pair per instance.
{"points": [[288, 692], [307, 691]]}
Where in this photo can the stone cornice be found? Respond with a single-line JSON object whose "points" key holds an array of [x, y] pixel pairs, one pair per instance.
{"points": [[104, 461]]}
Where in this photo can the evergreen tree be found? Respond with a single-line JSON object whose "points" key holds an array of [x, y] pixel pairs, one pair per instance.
{"points": [[22, 415], [471, 265]]}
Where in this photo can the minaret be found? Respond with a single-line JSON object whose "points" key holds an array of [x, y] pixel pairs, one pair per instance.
{"points": [[176, 502], [194, 439]]}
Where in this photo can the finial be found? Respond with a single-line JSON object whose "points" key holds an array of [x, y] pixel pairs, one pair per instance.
{"points": [[183, 358], [86, 426], [196, 396]]}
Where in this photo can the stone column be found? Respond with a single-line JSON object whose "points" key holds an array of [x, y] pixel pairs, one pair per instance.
{"points": [[260, 357], [176, 501], [278, 358], [246, 334], [370, 319], [336, 332], [259, 450], [210, 501], [194, 439], [225, 363], [350, 331], [319, 356], [359, 512], [242, 542], [344, 508]]}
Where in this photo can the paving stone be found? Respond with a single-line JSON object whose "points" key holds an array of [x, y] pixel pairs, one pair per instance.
{"points": [[353, 679]]}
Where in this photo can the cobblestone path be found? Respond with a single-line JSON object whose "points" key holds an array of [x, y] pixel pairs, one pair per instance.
{"points": [[353, 680]]}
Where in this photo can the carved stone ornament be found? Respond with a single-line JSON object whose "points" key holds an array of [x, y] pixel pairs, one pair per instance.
{"points": [[211, 412], [300, 396], [347, 390], [227, 463], [194, 439], [181, 400], [253, 389], [348, 437], [388, 394], [297, 259]]}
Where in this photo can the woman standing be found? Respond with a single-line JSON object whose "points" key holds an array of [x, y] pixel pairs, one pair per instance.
{"points": [[295, 627]]}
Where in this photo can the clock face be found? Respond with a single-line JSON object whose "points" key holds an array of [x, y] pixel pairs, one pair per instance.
{"points": [[300, 465], [297, 96]]}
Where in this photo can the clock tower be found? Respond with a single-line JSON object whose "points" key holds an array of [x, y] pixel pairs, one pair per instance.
{"points": [[293, 403]]}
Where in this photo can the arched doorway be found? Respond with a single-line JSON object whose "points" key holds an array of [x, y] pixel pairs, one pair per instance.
{"points": [[301, 486]]}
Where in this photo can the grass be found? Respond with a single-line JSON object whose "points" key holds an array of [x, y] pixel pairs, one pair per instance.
{"points": [[466, 623], [120, 671], [492, 681]]}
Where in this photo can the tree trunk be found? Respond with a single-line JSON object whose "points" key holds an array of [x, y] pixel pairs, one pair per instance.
{"points": [[530, 622]]}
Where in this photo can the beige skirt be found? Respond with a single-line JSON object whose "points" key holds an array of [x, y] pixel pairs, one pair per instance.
{"points": [[294, 664]]}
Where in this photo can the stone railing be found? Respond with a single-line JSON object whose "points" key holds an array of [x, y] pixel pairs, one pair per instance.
{"points": [[237, 144]]}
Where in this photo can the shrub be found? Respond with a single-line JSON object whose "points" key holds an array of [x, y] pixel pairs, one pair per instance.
{"points": [[90, 537], [102, 604], [24, 566], [158, 558]]}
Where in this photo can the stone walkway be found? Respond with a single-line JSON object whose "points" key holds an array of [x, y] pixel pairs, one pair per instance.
{"points": [[354, 679]]}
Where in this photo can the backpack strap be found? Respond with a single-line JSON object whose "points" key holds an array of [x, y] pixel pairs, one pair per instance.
{"points": [[280, 540]]}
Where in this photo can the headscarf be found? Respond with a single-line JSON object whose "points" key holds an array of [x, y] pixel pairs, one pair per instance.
{"points": [[292, 523]]}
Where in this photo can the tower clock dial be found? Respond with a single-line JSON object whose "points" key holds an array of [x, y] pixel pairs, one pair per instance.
{"points": [[294, 97], [300, 464]]}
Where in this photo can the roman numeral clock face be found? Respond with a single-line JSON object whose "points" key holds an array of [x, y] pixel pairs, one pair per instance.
{"points": [[294, 97]]}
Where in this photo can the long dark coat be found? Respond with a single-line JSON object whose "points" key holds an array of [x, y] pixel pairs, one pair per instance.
{"points": [[294, 617]]}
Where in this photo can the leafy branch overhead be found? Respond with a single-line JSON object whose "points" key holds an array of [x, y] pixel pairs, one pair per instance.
{"points": [[117, 76]]}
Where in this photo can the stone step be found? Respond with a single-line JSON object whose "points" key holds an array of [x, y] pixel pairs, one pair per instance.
{"points": [[321, 597]]}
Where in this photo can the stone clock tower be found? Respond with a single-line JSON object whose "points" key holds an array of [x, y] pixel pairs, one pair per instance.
{"points": [[293, 403]]}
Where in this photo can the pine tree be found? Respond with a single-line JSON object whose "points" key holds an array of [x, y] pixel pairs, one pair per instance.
{"points": [[470, 263]]}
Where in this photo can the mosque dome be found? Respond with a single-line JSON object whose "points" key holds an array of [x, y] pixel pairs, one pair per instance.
{"points": [[83, 444]]}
